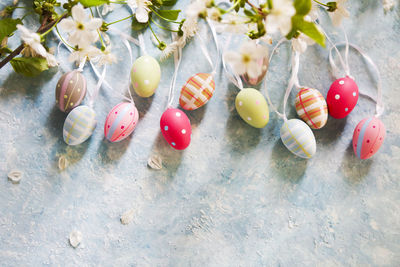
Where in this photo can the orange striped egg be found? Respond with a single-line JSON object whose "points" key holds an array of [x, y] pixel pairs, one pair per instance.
{"points": [[311, 107], [197, 91]]}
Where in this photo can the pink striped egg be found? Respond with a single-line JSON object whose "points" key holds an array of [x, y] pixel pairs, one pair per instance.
{"points": [[121, 121], [176, 129], [368, 137], [342, 97], [311, 107], [70, 90]]}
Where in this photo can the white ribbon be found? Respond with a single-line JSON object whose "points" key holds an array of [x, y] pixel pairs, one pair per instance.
{"points": [[177, 62], [204, 49], [233, 78], [378, 99]]}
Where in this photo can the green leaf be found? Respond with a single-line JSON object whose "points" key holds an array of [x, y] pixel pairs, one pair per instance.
{"points": [[29, 66], [137, 26], [302, 7], [8, 26], [168, 2], [308, 28], [169, 14], [90, 3]]}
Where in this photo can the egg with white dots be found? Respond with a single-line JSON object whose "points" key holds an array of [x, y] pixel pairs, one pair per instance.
{"points": [[79, 125], [145, 75], [342, 97], [298, 138], [70, 90], [368, 137], [176, 128], [252, 107], [121, 121]]}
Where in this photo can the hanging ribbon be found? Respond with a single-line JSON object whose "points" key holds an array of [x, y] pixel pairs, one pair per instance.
{"points": [[204, 49], [177, 62], [233, 78], [378, 99]]}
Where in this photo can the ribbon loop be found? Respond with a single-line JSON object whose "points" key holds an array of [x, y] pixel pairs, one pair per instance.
{"points": [[177, 62]]}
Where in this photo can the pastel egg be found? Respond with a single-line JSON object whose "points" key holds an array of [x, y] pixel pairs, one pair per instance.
{"points": [[121, 121], [368, 137], [145, 75], [298, 138], [79, 125], [263, 65], [311, 107], [70, 90], [342, 97], [197, 91], [252, 107], [176, 128]]}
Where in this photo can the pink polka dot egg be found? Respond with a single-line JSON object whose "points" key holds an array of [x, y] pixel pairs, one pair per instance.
{"points": [[176, 129], [121, 121], [342, 97], [368, 137]]}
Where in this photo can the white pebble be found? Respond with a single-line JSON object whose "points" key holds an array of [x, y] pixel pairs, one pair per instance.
{"points": [[127, 217], [62, 163], [15, 176], [155, 162], [75, 238]]}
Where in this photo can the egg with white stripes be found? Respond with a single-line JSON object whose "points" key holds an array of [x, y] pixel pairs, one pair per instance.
{"points": [[368, 137], [79, 125], [145, 75], [197, 91], [298, 138], [121, 121], [252, 107], [70, 90], [311, 107]]}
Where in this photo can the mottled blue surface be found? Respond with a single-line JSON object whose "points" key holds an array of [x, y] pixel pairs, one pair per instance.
{"points": [[235, 197]]}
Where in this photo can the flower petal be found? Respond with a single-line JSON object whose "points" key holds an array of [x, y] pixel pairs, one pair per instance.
{"points": [[142, 15], [253, 70], [67, 25], [78, 13], [93, 24]]}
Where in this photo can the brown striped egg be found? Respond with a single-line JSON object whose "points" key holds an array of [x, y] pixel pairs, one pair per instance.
{"points": [[70, 90], [311, 107], [197, 91]]}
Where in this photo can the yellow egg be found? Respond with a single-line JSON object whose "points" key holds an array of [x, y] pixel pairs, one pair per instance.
{"points": [[252, 107], [145, 75]]}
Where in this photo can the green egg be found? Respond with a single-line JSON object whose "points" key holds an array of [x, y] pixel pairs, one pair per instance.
{"points": [[145, 75], [252, 107]]}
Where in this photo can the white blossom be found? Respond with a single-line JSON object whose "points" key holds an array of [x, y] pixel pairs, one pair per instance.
{"points": [[141, 9], [194, 9], [280, 17], [89, 52], [340, 13], [301, 42], [232, 23], [105, 57], [33, 47], [388, 4], [246, 61], [107, 8], [82, 28]]}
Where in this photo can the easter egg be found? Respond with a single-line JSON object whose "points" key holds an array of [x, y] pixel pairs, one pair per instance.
{"points": [[176, 128], [145, 75], [263, 65], [121, 121], [311, 107], [70, 90], [368, 137], [79, 125], [342, 97], [298, 138], [252, 107], [197, 91]]}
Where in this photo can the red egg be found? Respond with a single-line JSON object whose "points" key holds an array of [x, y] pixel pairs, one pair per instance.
{"points": [[368, 137], [342, 97], [176, 128]]}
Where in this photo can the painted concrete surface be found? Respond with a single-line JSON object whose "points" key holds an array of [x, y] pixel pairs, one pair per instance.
{"points": [[235, 197]]}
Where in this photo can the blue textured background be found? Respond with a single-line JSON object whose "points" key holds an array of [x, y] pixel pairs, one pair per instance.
{"points": [[235, 197]]}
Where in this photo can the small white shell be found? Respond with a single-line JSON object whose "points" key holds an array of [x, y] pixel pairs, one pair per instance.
{"points": [[75, 238], [15, 176], [62, 162], [127, 217], [155, 162]]}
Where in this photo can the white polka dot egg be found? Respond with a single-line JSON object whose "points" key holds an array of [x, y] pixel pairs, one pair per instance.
{"points": [[176, 129], [298, 138], [145, 76], [120, 122], [252, 107], [342, 97]]}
